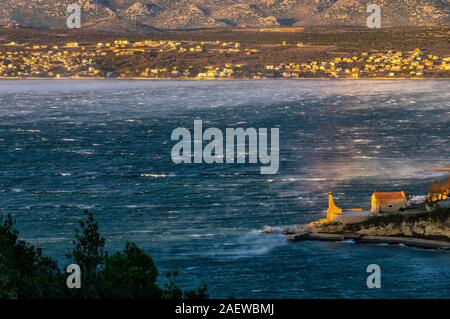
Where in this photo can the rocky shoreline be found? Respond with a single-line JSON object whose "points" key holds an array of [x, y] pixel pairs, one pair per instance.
{"points": [[357, 238], [430, 230]]}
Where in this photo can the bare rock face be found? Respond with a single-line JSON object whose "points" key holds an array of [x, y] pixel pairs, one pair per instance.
{"points": [[50, 13], [181, 14], [137, 9], [246, 15], [426, 226], [346, 12], [329, 228]]}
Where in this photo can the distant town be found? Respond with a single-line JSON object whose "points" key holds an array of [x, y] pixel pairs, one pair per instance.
{"points": [[214, 59]]}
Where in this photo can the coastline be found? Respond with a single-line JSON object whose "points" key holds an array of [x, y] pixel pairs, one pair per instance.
{"points": [[223, 79], [423, 229], [365, 239]]}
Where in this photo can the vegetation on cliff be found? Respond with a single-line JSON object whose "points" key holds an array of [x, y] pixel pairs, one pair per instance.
{"points": [[427, 225]]}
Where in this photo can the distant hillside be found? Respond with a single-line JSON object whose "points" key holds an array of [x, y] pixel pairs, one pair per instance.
{"points": [[146, 15]]}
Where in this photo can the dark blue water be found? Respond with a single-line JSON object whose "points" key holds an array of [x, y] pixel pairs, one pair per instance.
{"points": [[67, 146]]}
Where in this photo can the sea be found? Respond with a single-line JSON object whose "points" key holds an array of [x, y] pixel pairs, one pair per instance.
{"points": [[67, 146]]}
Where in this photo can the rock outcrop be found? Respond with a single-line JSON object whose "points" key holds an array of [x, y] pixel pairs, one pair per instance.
{"points": [[433, 225]]}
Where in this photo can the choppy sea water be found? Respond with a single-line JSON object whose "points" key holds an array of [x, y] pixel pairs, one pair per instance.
{"points": [[67, 146]]}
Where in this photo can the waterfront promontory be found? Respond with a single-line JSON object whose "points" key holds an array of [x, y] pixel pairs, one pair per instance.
{"points": [[394, 218]]}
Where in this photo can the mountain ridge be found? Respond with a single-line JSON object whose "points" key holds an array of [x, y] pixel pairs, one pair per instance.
{"points": [[148, 15]]}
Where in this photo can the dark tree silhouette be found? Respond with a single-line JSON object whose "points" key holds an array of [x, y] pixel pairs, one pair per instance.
{"points": [[26, 273]]}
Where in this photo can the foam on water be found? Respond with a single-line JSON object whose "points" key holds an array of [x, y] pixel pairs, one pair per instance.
{"points": [[67, 146]]}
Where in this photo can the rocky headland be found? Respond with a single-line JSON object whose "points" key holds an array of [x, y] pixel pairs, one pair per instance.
{"points": [[426, 229]]}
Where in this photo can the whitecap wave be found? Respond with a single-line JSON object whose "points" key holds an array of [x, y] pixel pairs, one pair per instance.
{"points": [[154, 175]]}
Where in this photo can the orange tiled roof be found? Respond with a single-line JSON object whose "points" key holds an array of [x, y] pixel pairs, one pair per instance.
{"points": [[389, 195]]}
